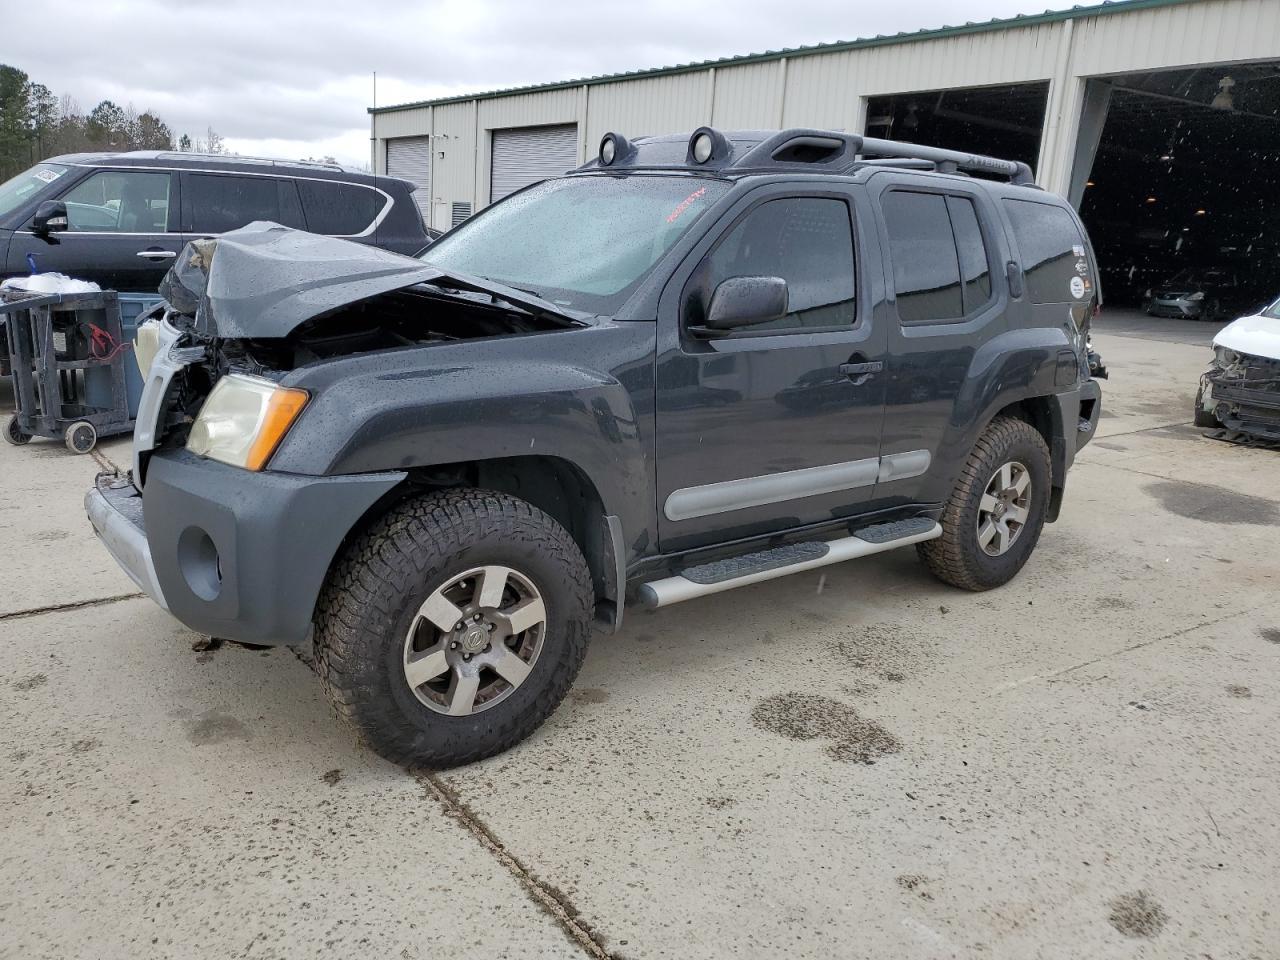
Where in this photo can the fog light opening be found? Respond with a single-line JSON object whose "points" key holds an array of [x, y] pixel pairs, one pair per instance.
{"points": [[199, 563]]}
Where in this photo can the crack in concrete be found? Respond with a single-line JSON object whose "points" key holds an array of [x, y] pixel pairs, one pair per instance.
{"points": [[60, 607], [547, 897], [1052, 677]]}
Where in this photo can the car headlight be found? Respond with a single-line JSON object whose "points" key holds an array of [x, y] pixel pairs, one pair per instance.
{"points": [[146, 344], [1224, 357], [1197, 296], [244, 419]]}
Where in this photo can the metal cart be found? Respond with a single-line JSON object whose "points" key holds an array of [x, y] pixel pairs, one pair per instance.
{"points": [[67, 354]]}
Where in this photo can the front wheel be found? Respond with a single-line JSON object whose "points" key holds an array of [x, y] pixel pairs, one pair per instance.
{"points": [[453, 627], [993, 519]]}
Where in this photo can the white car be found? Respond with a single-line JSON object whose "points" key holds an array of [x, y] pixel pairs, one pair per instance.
{"points": [[1241, 391]]}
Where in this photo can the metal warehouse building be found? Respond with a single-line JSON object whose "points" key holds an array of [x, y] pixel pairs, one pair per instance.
{"points": [[1160, 119]]}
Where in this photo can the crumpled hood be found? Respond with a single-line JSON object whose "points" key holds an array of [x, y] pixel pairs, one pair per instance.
{"points": [[264, 280], [1256, 335]]}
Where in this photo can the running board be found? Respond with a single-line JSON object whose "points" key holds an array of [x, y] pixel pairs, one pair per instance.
{"points": [[734, 572]]}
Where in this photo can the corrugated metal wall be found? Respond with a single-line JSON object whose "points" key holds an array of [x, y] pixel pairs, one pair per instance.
{"points": [[830, 89]]}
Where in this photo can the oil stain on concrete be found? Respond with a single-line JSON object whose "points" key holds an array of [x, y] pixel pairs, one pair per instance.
{"points": [[31, 682], [590, 695], [1137, 914], [1270, 634], [1204, 501], [807, 716], [1237, 690]]}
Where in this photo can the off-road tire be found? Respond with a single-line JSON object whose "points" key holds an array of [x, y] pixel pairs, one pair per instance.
{"points": [[956, 557], [1204, 420], [373, 594]]}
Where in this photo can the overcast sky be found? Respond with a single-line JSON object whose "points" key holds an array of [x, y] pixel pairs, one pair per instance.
{"points": [[294, 79]]}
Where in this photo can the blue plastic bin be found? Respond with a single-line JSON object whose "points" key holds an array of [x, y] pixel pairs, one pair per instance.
{"points": [[98, 382]]}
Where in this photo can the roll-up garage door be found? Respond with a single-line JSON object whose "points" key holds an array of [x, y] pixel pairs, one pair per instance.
{"points": [[529, 154], [409, 158]]}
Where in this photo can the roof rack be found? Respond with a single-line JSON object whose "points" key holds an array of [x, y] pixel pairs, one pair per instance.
{"points": [[946, 161], [233, 158], [796, 150]]}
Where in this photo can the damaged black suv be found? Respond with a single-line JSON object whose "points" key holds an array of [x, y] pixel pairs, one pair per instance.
{"points": [[695, 363]]}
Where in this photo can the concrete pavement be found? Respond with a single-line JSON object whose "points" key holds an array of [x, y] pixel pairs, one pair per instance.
{"points": [[856, 763]]}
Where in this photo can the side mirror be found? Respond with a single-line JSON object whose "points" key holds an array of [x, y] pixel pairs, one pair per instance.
{"points": [[745, 302], [51, 217]]}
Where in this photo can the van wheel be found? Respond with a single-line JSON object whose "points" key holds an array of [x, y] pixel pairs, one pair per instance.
{"points": [[453, 627], [995, 514]]}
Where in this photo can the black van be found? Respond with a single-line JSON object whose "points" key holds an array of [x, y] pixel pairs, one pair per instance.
{"points": [[120, 219]]}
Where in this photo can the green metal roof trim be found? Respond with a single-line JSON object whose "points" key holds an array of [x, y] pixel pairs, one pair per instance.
{"points": [[1021, 20]]}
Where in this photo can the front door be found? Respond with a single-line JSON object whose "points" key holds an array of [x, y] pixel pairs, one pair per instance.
{"points": [[121, 232], [776, 425]]}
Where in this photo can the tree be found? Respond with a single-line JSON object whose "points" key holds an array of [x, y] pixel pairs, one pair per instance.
{"points": [[214, 143], [153, 133], [106, 126], [15, 121], [184, 143]]}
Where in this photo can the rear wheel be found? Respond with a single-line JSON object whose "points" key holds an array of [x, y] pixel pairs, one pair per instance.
{"points": [[13, 433], [453, 627], [993, 520]]}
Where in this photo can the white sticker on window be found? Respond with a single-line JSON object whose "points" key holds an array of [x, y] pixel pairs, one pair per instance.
{"points": [[1077, 288], [48, 176], [1078, 250]]}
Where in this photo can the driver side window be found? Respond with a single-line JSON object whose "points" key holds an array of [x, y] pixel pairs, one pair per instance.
{"points": [[807, 241], [119, 201]]}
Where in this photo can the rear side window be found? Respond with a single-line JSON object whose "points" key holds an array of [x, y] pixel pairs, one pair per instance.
{"points": [[216, 203], [1052, 251], [808, 241], [922, 248], [339, 209], [975, 273]]}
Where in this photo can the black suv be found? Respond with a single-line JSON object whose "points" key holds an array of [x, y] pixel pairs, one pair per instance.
{"points": [[120, 219], [694, 364]]}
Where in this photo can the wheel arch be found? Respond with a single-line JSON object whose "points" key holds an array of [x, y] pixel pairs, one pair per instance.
{"points": [[555, 486]]}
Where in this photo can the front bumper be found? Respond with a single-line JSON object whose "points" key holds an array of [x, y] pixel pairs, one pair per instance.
{"points": [[1178, 309], [1244, 410], [228, 552], [114, 507]]}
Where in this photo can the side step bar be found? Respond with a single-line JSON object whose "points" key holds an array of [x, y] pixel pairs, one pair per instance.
{"points": [[734, 572]]}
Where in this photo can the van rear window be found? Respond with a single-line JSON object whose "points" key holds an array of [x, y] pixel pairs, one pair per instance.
{"points": [[1054, 263], [339, 209]]}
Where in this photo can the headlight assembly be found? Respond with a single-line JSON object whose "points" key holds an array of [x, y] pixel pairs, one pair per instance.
{"points": [[1197, 296], [1225, 357], [244, 419]]}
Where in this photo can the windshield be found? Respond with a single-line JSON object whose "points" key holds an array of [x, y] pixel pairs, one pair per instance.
{"points": [[18, 190], [1272, 311], [581, 242]]}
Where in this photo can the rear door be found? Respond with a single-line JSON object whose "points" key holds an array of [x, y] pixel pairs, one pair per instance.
{"points": [[770, 427], [944, 251], [122, 231], [216, 203]]}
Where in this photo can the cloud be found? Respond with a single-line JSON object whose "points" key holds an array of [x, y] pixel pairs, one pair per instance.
{"points": [[295, 79]]}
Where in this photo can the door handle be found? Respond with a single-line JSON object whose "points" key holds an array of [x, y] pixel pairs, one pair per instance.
{"points": [[157, 254], [860, 373], [1013, 276]]}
